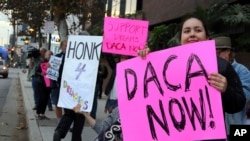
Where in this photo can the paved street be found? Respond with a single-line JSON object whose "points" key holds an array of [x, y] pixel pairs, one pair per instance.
{"points": [[12, 116]]}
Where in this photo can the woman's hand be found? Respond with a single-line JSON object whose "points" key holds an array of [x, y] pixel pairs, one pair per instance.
{"points": [[77, 108], [143, 52], [48, 65], [218, 81]]}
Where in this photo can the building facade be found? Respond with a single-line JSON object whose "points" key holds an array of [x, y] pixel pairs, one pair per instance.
{"points": [[164, 11], [160, 11]]}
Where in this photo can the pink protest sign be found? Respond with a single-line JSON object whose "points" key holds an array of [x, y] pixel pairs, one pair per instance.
{"points": [[124, 36], [167, 97], [44, 70]]}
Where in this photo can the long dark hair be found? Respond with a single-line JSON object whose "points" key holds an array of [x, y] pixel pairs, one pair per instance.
{"points": [[187, 17]]}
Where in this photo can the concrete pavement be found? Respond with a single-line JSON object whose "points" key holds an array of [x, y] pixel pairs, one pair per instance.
{"points": [[43, 130]]}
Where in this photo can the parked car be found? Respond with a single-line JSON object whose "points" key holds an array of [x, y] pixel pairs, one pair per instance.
{"points": [[4, 71]]}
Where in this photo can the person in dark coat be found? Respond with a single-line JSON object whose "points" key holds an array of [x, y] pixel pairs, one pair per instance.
{"points": [[226, 81]]}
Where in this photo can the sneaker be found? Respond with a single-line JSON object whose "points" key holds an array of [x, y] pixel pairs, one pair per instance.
{"points": [[100, 96], [39, 117], [44, 117], [36, 116], [34, 108], [71, 130], [56, 136]]}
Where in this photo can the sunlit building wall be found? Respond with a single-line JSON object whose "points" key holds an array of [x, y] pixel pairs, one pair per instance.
{"points": [[113, 7]]}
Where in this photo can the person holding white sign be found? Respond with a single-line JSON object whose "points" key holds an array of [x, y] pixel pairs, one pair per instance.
{"points": [[55, 85], [69, 117], [226, 81]]}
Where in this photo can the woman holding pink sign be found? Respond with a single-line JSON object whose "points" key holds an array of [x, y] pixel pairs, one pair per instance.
{"points": [[43, 91], [226, 81]]}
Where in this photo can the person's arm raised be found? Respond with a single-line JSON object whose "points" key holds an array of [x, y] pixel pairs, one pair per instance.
{"points": [[90, 120], [143, 52]]}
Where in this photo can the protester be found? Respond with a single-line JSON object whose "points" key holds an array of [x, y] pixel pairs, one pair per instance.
{"points": [[42, 90], [55, 85], [225, 51], [110, 90], [70, 118], [34, 60], [102, 74], [47, 57], [226, 81], [104, 126]]}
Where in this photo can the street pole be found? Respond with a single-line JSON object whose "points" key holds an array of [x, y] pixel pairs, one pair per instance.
{"points": [[51, 19], [49, 46], [8, 38], [122, 8], [109, 11]]}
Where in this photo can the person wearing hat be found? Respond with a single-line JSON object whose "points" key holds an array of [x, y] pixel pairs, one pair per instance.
{"points": [[223, 48], [225, 51]]}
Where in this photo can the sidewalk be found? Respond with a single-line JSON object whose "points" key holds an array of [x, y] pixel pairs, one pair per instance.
{"points": [[43, 130]]}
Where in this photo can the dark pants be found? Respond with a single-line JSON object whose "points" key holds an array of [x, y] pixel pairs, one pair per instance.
{"points": [[94, 106], [49, 102], [43, 94], [34, 84], [64, 125], [99, 91]]}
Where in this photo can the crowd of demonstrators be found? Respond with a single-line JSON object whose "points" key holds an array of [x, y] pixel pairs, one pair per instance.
{"points": [[42, 90], [69, 118], [225, 51], [192, 29], [226, 81]]}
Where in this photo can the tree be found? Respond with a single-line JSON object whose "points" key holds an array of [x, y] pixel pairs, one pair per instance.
{"points": [[220, 18], [29, 12], [35, 12], [163, 36], [238, 17], [231, 20], [86, 11]]}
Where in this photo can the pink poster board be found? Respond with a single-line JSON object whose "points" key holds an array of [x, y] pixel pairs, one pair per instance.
{"points": [[44, 70], [124, 36], [166, 97]]}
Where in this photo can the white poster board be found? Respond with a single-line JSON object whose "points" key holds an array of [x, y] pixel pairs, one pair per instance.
{"points": [[53, 71], [80, 72], [49, 27]]}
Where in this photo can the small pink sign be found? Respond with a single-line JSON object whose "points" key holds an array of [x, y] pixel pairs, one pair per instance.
{"points": [[124, 36], [44, 70]]}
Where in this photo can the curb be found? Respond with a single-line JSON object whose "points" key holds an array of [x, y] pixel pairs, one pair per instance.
{"points": [[34, 132]]}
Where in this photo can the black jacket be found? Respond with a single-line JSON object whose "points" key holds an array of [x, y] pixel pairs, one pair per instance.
{"points": [[233, 99]]}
